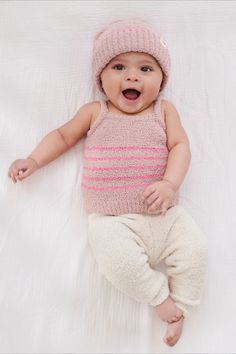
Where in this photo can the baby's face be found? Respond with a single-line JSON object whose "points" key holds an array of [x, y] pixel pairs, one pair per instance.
{"points": [[136, 71]]}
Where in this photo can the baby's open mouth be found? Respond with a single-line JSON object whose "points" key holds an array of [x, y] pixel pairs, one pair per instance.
{"points": [[131, 94]]}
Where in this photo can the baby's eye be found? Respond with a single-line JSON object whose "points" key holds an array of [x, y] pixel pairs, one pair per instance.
{"points": [[146, 68], [118, 66]]}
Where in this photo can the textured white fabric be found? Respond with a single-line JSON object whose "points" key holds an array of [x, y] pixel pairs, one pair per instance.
{"points": [[51, 296], [129, 247]]}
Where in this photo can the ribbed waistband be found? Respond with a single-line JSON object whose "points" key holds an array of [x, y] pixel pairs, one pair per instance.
{"points": [[118, 206]]}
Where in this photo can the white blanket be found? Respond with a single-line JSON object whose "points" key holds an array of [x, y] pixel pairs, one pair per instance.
{"points": [[52, 298]]}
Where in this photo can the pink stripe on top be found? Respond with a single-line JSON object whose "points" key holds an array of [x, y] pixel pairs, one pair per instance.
{"points": [[126, 148], [123, 155], [122, 167], [86, 157]]}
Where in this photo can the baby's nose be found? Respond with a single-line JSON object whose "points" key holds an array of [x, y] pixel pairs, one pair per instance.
{"points": [[132, 77]]}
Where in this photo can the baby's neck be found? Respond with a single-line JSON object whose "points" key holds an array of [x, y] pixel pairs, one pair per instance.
{"points": [[147, 110]]}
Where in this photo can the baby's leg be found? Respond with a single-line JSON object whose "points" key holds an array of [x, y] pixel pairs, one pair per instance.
{"points": [[185, 254], [186, 259], [122, 257]]}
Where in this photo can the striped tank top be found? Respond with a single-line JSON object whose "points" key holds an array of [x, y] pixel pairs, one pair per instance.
{"points": [[123, 154]]}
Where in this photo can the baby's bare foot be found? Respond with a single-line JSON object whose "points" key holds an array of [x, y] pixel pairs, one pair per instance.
{"points": [[173, 332], [168, 311]]}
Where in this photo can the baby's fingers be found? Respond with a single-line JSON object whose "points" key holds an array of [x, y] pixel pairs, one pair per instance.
{"points": [[15, 176], [155, 205], [164, 208], [12, 176], [19, 176], [23, 174], [10, 171]]}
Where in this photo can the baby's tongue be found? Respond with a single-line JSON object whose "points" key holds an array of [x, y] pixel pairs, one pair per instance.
{"points": [[130, 94]]}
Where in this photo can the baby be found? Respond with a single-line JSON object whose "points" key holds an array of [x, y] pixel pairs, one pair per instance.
{"points": [[136, 157]]}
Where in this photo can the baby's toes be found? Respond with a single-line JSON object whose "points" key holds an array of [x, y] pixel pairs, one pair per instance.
{"points": [[169, 335], [176, 317], [173, 333], [171, 341]]}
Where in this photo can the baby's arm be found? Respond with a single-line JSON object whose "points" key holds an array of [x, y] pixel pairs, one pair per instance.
{"points": [[158, 195], [54, 144], [63, 138], [178, 145]]}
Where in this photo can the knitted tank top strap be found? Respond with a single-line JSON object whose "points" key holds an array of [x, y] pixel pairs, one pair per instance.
{"points": [[100, 117], [104, 108], [159, 117]]}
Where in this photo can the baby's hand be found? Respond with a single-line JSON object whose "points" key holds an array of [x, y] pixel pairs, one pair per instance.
{"points": [[21, 169], [158, 196]]}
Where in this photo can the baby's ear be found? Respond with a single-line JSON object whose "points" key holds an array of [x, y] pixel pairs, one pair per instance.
{"points": [[101, 85], [162, 80]]}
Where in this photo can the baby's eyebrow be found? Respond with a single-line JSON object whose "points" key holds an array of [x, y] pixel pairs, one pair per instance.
{"points": [[142, 61], [118, 59], [147, 62]]}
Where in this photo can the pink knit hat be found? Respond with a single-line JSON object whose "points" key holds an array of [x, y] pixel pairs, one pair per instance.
{"points": [[132, 35]]}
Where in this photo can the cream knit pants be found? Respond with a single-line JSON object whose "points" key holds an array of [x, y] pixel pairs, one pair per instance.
{"points": [[128, 248]]}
